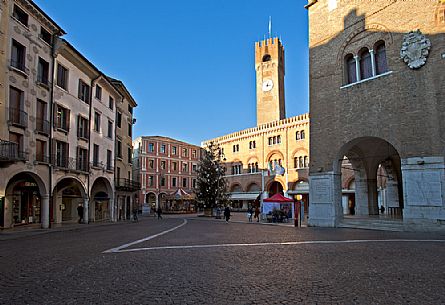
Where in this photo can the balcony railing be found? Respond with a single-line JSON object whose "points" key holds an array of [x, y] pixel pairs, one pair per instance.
{"points": [[18, 117], [72, 164], [43, 126], [9, 152], [42, 158], [128, 185]]}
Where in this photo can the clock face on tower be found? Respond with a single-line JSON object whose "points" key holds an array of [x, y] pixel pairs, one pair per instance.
{"points": [[267, 85]]}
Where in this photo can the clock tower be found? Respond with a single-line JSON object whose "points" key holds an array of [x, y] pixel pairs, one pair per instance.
{"points": [[269, 66]]}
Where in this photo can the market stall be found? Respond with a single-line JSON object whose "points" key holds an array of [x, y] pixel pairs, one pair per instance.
{"points": [[277, 208]]}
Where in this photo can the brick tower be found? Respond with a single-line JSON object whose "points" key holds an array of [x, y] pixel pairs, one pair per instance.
{"points": [[269, 66]]}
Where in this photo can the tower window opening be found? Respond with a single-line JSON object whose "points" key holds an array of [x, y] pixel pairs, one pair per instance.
{"points": [[266, 58]]}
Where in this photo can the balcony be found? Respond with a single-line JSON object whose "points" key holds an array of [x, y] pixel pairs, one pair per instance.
{"points": [[9, 152], [17, 117], [127, 185], [70, 164], [42, 126], [40, 158]]}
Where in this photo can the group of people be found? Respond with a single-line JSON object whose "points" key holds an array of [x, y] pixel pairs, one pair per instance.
{"points": [[255, 213]]}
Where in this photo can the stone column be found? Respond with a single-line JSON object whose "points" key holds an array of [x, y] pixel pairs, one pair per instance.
{"points": [[373, 66], [373, 206], [361, 197], [44, 213], [85, 210], [357, 67]]}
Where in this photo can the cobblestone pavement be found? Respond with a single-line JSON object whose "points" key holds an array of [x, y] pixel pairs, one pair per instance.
{"points": [[70, 266]]}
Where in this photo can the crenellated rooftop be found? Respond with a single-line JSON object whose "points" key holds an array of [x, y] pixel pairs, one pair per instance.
{"points": [[270, 127]]}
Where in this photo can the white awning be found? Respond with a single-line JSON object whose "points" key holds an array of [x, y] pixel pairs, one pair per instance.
{"points": [[243, 196]]}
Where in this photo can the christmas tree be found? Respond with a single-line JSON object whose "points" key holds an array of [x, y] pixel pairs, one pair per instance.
{"points": [[211, 186]]}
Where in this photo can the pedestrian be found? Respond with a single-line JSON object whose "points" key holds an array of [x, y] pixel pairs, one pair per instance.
{"points": [[382, 209], [159, 212], [250, 213], [135, 214], [227, 213], [80, 212], [257, 214]]}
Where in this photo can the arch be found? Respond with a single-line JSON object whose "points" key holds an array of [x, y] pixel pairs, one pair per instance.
{"points": [[101, 184], [275, 187], [236, 188], [69, 192], [266, 58], [366, 156], [65, 179], [274, 153], [101, 200], [253, 187], [23, 197]]}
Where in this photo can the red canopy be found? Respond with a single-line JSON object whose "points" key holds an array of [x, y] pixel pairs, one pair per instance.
{"points": [[278, 198]]}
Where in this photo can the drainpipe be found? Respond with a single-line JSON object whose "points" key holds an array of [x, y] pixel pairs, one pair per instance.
{"points": [[86, 200]]}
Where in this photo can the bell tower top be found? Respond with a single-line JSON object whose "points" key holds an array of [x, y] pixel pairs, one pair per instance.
{"points": [[269, 66]]}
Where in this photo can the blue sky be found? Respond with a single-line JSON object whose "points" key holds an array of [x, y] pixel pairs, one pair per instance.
{"points": [[188, 64]]}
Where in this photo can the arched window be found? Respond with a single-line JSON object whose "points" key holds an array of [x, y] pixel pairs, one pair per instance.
{"points": [[278, 139], [266, 58], [256, 167], [380, 58], [365, 64], [301, 161], [306, 161], [351, 75], [303, 135], [297, 135]]}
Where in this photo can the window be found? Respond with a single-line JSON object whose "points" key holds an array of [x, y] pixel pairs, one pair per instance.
{"points": [[20, 15], [119, 119], [82, 157], [118, 175], [295, 162], [306, 161], [300, 162], [82, 127], [174, 166], [96, 121], [83, 91], [194, 168], [236, 169], [42, 124], [62, 120], [380, 58], [184, 167], [194, 153], [18, 53], [194, 183], [174, 181], [351, 69], [236, 148], [41, 151], [119, 149], [253, 167], [42, 71], [184, 152], [45, 35], [184, 182], [274, 140], [162, 181], [17, 139], [151, 147], [278, 139], [297, 135], [17, 116], [252, 145], [150, 180], [266, 58], [98, 92], [130, 129], [365, 64], [130, 109], [62, 77], [151, 164], [129, 154], [303, 136], [111, 103], [173, 150], [110, 129], [61, 154], [162, 164], [109, 160], [95, 155]]}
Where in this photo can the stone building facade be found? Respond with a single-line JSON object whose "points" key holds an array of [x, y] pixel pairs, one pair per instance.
{"points": [[57, 138], [377, 70], [163, 165]]}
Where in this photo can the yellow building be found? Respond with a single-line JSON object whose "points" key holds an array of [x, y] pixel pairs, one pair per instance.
{"points": [[273, 156]]}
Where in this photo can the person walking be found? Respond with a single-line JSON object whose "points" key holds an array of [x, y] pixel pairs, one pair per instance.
{"points": [[250, 213], [159, 212], [80, 212], [135, 215], [227, 213], [257, 214]]}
